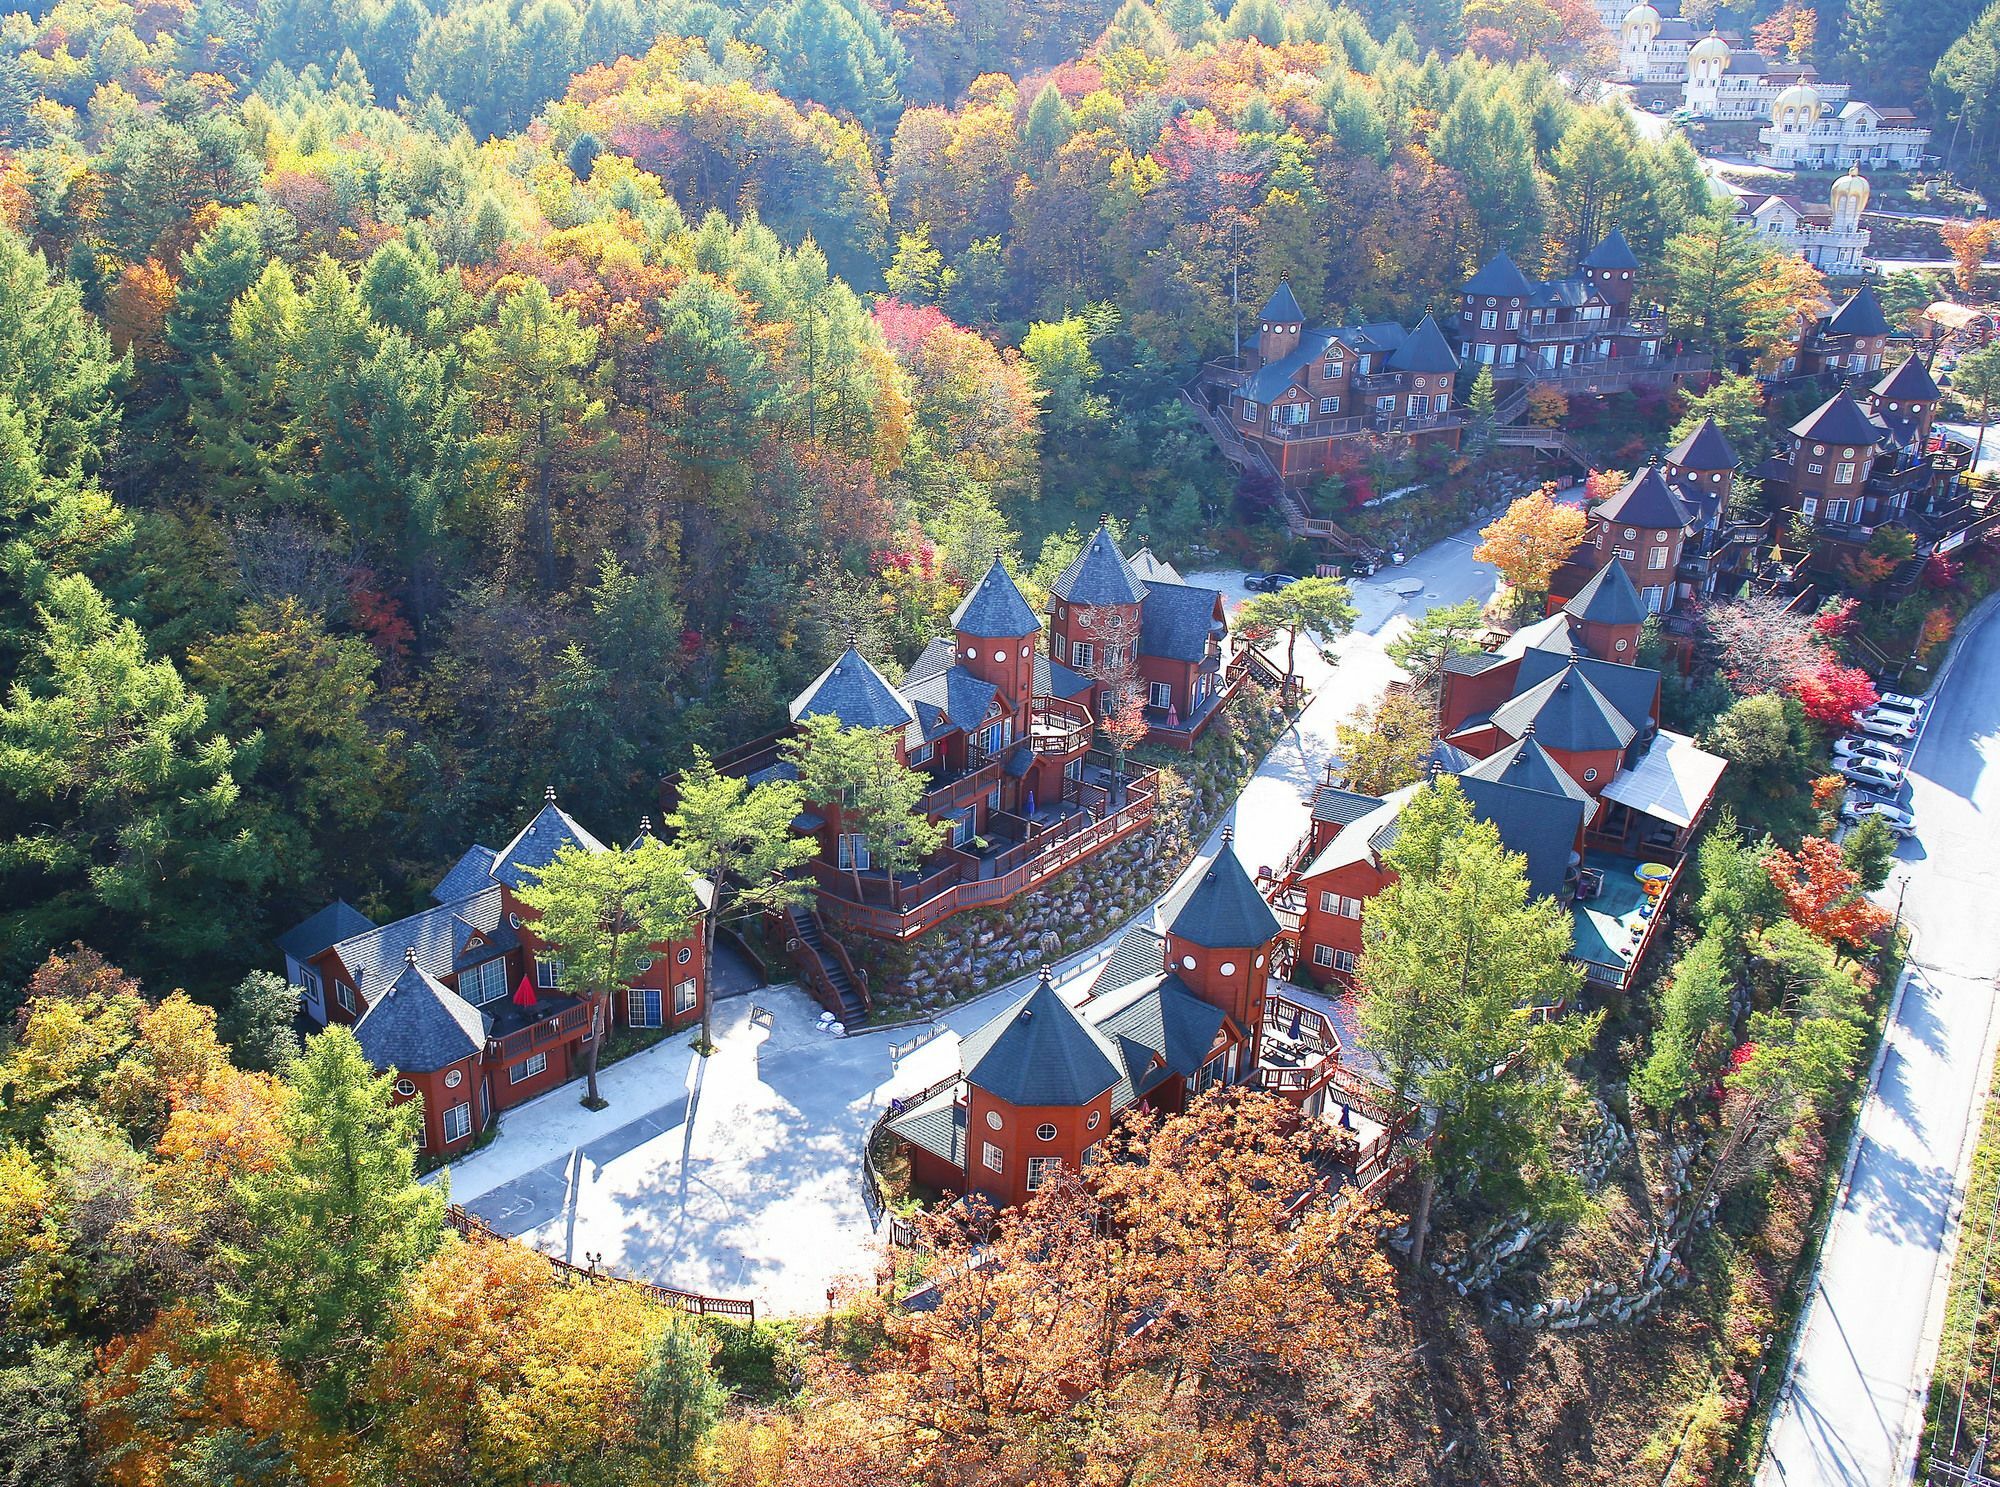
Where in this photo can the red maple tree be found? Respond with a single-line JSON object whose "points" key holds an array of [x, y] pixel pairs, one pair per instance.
{"points": [[1824, 895], [1832, 694]]}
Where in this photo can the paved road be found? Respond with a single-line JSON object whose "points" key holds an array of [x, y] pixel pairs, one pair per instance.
{"points": [[1853, 1410], [738, 1175]]}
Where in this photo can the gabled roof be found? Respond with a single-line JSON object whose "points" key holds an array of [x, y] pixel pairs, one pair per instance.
{"points": [[536, 845], [1838, 420], [948, 699], [336, 922], [1646, 501], [1282, 308], [995, 608], [1608, 599], [1149, 569], [1909, 382], [1158, 1029], [1178, 620], [1500, 276], [374, 956], [1672, 782], [1225, 911], [468, 875], [852, 690], [1707, 448], [1526, 765], [1541, 827], [416, 1025], [1567, 713], [1426, 350], [1860, 316], [1612, 253], [1342, 807], [1098, 575], [1039, 1052], [1633, 690]]}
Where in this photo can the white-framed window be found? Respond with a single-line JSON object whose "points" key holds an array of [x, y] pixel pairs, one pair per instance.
{"points": [[1062, 646], [1332, 371], [1386, 403], [994, 1158], [406, 1088], [1626, 553], [642, 1006], [548, 972], [683, 955], [1045, 1132], [1249, 411], [1323, 957], [1836, 510], [1344, 961], [684, 996], [485, 982], [1814, 469], [1041, 1169], [1808, 507], [457, 1122], [1657, 558], [1844, 473], [1329, 405], [309, 982], [1160, 694], [921, 754], [1488, 319], [344, 994], [1654, 596], [1441, 402], [1419, 405], [853, 852], [527, 1068], [1341, 904], [1082, 654], [1513, 320]]}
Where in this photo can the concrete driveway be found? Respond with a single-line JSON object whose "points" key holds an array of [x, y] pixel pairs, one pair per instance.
{"points": [[1854, 1407], [740, 1175]]}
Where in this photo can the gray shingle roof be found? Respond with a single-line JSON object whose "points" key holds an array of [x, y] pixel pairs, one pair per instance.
{"points": [[1342, 807], [518, 863], [1500, 276], [1426, 350], [1860, 316], [416, 1025], [1178, 620], [952, 698], [375, 956], [332, 924], [1838, 420], [1039, 1052], [1225, 911], [1632, 690], [1608, 599], [1053, 679], [1526, 764], [1707, 448], [1150, 569], [1567, 712], [853, 691], [1908, 382], [995, 608], [1612, 253], [1541, 827], [1282, 308], [1141, 953], [1098, 575], [1159, 1028], [936, 1124], [1472, 663], [1646, 501], [468, 875]]}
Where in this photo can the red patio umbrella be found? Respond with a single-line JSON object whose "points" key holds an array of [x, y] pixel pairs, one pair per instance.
{"points": [[524, 994]]}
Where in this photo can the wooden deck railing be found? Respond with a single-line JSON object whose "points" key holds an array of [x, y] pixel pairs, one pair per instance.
{"points": [[479, 1231], [524, 1041]]}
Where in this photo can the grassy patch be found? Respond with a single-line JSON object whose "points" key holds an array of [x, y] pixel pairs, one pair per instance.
{"points": [[1971, 1319]]}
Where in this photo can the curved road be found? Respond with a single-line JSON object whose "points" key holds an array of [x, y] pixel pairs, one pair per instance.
{"points": [[1852, 1411]]}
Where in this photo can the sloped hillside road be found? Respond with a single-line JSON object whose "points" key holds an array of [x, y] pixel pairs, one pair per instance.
{"points": [[1852, 1411]]}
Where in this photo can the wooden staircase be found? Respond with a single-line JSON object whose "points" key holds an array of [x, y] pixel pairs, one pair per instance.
{"points": [[828, 973]]}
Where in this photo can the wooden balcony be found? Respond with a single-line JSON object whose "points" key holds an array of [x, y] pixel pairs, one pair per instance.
{"points": [[540, 1034], [1058, 726]]}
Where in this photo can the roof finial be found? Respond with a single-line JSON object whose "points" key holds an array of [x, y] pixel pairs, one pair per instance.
{"points": [[1228, 833], [1529, 731], [549, 794], [409, 955], [645, 826], [1048, 976]]}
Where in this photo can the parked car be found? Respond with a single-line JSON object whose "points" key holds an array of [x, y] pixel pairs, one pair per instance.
{"points": [[1870, 771], [1852, 747], [1901, 702], [1895, 817], [1888, 709], [1898, 726], [1269, 583]]}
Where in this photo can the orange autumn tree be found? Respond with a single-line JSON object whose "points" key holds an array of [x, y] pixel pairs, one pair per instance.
{"points": [[1602, 485], [1529, 540], [1791, 31], [1824, 894], [1968, 244]]}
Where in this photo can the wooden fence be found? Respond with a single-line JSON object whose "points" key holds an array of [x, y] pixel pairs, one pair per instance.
{"points": [[475, 1228]]}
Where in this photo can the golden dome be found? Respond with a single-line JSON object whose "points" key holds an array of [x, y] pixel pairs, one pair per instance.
{"points": [[1711, 48]]}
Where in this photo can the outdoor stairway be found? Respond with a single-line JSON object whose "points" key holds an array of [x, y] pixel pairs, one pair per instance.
{"points": [[805, 923]]}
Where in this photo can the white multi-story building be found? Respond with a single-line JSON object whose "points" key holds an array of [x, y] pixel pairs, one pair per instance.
{"points": [[1803, 135], [1652, 48], [1829, 237], [1733, 82]]}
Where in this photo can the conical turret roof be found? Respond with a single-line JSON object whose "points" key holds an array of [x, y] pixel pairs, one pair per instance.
{"points": [[1225, 911]]}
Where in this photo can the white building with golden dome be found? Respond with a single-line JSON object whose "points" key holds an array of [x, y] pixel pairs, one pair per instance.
{"points": [[1829, 237], [1805, 133], [1724, 80]]}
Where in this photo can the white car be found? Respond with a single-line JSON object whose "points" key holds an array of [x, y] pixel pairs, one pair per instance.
{"points": [[1868, 771], [1899, 726], [1899, 821], [1901, 702], [1852, 747]]}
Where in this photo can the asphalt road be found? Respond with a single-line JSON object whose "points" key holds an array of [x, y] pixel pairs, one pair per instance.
{"points": [[1853, 1409]]}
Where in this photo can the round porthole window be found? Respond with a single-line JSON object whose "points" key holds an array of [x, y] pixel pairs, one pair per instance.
{"points": [[1630, 534], [971, 653], [1260, 962], [1590, 774], [644, 963], [404, 1087], [993, 1121], [1083, 619], [1229, 968], [1819, 449], [1187, 962], [1847, 454], [1659, 536], [514, 920], [455, 1078], [1621, 645], [1091, 1124], [683, 955], [1491, 301], [1045, 1132]]}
